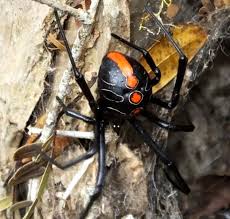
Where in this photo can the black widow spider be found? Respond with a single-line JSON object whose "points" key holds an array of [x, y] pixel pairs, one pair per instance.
{"points": [[125, 89]]}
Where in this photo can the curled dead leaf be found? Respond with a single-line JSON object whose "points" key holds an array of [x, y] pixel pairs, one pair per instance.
{"points": [[27, 151], [26, 172], [52, 39], [190, 37]]}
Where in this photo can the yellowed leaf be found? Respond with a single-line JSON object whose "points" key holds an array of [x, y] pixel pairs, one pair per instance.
{"points": [[5, 203], [190, 37]]}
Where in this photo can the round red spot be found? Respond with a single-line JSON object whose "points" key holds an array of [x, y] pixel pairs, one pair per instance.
{"points": [[136, 97], [136, 111]]}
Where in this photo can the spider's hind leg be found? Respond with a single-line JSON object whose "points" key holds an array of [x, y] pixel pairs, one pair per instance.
{"points": [[171, 170], [168, 125]]}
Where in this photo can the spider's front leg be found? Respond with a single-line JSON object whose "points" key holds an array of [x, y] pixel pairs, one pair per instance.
{"points": [[93, 105], [77, 74], [180, 72], [171, 170], [148, 58]]}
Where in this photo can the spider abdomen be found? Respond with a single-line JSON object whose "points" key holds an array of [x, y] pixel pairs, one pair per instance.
{"points": [[124, 85]]}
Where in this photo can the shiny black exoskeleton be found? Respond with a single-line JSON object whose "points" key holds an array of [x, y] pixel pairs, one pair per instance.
{"points": [[124, 85], [124, 90]]}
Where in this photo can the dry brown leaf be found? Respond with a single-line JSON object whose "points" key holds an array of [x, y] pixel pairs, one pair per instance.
{"points": [[26, 172], [25, 154], [53, 39], [27, 151], [190, 37], [172, 10], [221, 3], [227, 2], [60, 143]]}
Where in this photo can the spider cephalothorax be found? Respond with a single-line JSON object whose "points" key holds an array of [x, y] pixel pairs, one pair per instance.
{"points": [[124, 91], [124, 85]]}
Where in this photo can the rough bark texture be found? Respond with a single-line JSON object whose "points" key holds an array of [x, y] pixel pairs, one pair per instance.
{"points": [[24, 61], [135, 183]]}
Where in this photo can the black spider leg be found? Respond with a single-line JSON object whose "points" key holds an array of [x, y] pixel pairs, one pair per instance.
{"points": [[80, 95], [168, 125], [85, 156], [146, 56], [69, 112], [76, 99], [77, 74], [171, 170], [69, 163], [92, 151], [100, 141], [85, 89], [180, 72]]}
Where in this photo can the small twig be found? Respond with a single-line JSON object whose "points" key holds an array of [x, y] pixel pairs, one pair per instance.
{"points": [[65, 133], [79, 14], [75, 180]]}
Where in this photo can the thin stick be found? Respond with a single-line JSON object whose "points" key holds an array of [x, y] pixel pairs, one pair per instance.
{"points": [[75, 180], [79, 14], [65, 133]]}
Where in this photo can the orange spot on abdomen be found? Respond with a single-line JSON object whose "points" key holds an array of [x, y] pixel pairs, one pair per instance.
{"points": [[136, 97], [125, 68]]}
